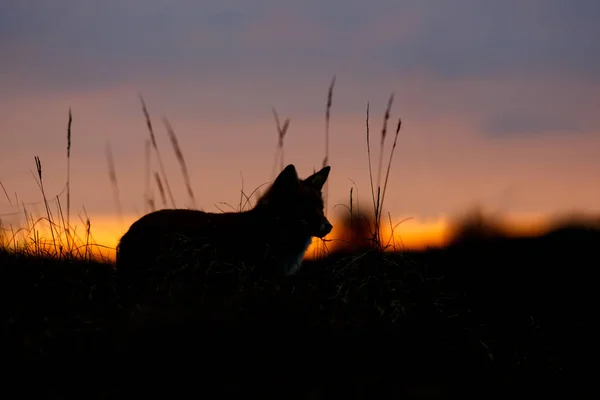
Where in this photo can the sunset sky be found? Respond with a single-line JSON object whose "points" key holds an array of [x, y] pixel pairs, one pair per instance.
{"points": [[500, 101]]}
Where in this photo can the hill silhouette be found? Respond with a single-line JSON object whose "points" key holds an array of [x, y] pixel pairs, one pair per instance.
{"points": [[490, 317]]}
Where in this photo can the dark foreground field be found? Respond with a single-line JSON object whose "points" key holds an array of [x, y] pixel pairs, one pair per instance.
{"points": [[493, 318]]}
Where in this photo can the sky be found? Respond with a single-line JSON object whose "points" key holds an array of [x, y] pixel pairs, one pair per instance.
{"points": [[499, 101]]}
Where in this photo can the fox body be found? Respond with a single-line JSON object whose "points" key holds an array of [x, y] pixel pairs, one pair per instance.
{"points": [[272, 236]]}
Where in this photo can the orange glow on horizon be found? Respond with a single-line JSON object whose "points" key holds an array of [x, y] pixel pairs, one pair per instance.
{"points": [[412, 234]]}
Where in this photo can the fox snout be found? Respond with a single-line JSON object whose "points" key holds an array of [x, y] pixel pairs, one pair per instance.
{"points": [[324, 228]]}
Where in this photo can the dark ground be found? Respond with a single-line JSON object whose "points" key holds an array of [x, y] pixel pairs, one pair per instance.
{"points": [[493, 318]]}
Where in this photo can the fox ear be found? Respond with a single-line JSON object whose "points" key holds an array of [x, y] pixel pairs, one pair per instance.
{"points": [[317, 180], [287, 177]]}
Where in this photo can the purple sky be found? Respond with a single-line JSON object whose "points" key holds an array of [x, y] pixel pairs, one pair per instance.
{"points": [[499, 99]]}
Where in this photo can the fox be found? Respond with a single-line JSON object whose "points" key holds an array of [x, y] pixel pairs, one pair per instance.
{"points": [[273, 235]]}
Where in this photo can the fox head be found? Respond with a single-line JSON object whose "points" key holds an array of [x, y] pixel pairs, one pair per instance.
{"points": [[299, 202]]}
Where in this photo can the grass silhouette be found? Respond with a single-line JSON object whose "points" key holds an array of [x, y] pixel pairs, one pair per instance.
{"points": [[488, 315]]}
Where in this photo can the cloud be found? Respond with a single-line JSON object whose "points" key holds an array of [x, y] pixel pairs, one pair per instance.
{"points": [[476, 39], [82, 43]]}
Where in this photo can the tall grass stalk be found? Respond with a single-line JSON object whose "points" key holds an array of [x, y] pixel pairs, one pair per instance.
{"points": [[112, 175], [6, 194], [379, 198], [38, 165], [67, 225], [321, 247], [148, 202], [161, 190], [279, 152], [181, 161], [155, 146]]}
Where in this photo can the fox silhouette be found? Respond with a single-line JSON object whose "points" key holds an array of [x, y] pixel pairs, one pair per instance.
{"points": [[273, 236]]}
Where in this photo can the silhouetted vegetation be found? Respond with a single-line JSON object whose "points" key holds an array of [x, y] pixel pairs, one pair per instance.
{"points": [[494, 318], [490, 315]]}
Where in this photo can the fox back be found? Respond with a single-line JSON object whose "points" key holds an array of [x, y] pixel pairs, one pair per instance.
{"points": [[272, 236]]}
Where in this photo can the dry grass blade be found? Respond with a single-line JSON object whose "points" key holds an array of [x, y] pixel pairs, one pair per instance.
{"points": [[88, 235], [325, 162], [378, 201], [155, 146], [181, 160], [357, 203], [392, 238], [351, 217], [369, 158], [6, 194], [242, 194], [64, 228], [112, 176], [161, 190], [256, 192], [281, 132], [147, 166], [386, 118], [387, 174], [68, 223], [327, 123], [38, 165], [151, 204], [69, 171], [328, 120], [148, 123]]}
